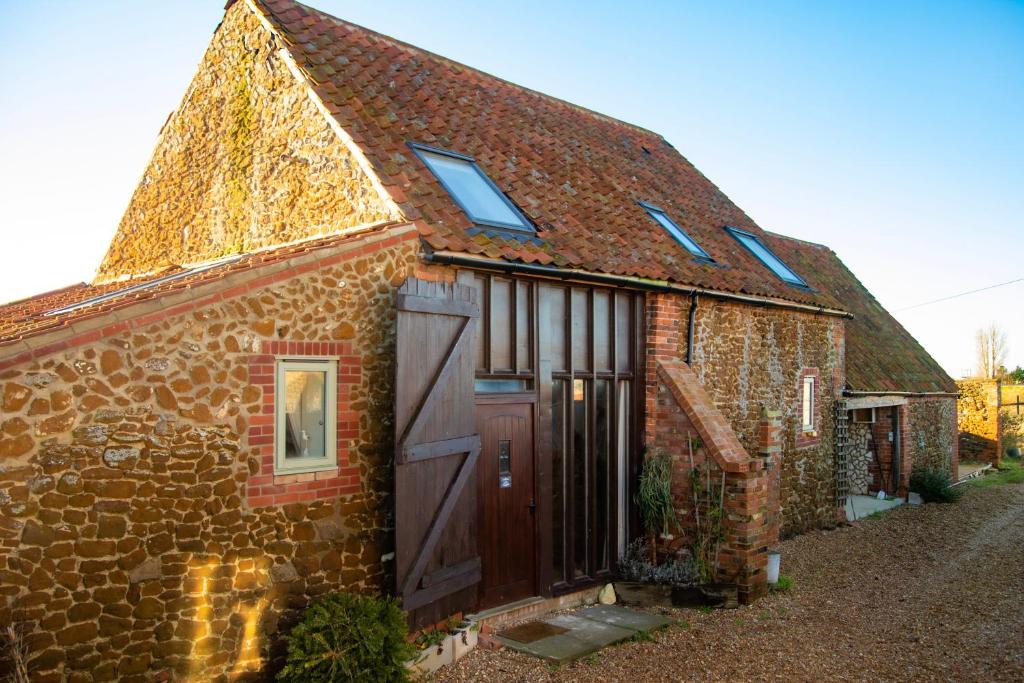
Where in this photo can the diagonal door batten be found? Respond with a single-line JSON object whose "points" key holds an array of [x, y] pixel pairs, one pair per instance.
{"points": [[437, 447]]}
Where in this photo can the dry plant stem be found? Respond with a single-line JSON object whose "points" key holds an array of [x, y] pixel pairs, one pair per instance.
{"points": [[718, 537], [16, 645], [696, 507]]}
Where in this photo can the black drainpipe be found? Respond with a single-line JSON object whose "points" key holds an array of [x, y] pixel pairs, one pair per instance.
{"points": [[689, 326]]}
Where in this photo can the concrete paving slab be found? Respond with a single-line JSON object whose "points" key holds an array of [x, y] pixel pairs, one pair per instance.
{"points": [[582, 637], [859, 507], [624, 618]]}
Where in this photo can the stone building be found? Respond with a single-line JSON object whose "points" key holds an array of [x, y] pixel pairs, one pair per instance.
{"points": [[375, 320], [979, 410]]}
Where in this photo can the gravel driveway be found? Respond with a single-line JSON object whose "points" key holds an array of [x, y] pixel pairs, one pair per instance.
{"points": [[929, 593]]}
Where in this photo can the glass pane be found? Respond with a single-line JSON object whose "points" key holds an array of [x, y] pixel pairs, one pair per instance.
{"points": [[676, 232], [580, 330], [501, 324], [505, 464], [770, 259], [602, 483], [580, 478], [480, 200], [602, 331], [499, 386], [808, 408], [305, 402], [623, 332], [621, 463], [558, 440], [524, 326], [552, 327]]}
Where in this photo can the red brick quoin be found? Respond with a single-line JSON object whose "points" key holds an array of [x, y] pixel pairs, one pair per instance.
{"points": [[264, 488]]}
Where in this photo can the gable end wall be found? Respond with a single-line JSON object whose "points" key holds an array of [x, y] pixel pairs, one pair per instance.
{"points": [[247, 161]]}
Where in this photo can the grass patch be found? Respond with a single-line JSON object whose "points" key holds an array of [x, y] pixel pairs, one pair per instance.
{"points": [[783, 585], [1010, 472], [641, 637], [705, 610]]}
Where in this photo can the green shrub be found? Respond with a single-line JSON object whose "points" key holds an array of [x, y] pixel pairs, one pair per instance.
{"points": [[654, 493], [933, 485], [348, 637], [783, 585]]}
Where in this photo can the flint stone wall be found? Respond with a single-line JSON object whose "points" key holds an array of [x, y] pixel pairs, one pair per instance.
{"points": [[749, 359], [128, 547], [247, 161]]}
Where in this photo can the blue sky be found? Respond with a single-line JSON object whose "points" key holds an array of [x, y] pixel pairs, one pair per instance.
{"points": [[890, 131]]}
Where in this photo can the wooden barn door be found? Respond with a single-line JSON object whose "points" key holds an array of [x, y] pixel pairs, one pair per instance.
{"points": [[436, 557]]}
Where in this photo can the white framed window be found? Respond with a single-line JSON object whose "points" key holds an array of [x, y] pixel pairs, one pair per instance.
{"points": [[807, 404], [305, 416]]}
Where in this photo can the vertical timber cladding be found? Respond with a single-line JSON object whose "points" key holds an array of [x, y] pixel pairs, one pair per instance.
{"points": [[576, 347], [437, 564]]}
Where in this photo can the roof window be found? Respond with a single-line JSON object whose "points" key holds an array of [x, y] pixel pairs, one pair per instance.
{"points": [[678, 233], [470, 187], [766, 256]]}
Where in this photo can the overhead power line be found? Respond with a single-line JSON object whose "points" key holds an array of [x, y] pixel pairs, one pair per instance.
{"points": [[957, 296]]}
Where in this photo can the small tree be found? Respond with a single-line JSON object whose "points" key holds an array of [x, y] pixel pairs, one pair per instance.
{"points": [[1015, 376], [991, 346]]}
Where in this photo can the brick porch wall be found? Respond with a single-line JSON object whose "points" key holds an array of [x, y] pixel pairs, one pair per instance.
{"points": [[751, 502]]}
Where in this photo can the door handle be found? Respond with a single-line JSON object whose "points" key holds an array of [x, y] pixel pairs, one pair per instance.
{"points": [[533, 506]]}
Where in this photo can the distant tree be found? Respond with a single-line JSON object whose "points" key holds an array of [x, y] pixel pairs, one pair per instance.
{"points": [[1015, 376], [991, 346]]}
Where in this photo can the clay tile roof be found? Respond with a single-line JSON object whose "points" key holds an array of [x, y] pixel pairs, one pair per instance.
{"points": [[881, 355], [44, 312], [576, 174]]}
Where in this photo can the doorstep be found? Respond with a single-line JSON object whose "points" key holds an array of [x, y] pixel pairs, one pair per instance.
{"points": [[531, 608], [567, 637]]}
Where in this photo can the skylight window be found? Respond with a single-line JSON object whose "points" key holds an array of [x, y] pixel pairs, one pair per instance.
{"points": [[765, 255], [470, 187], [678, 233]]}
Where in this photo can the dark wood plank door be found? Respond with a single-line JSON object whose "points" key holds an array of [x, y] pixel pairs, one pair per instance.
{"points": [[437, 447], [507, 503]]}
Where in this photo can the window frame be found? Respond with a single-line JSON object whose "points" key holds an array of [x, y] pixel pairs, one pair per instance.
{"points": [[808, 411], [526, 227], [329, 366], [653, 209], [739, 234]]}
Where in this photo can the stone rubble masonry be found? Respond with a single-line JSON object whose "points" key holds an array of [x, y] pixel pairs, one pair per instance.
{"points": [[932, 434], [750, 504], [247, 161], [978, 420], [748, 359], [265, 487], [131, 543]]}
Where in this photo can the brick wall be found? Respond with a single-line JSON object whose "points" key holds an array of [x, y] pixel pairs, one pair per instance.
{"points": [[751, 488], [265, 487]]}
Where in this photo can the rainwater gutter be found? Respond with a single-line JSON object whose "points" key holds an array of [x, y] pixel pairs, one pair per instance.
{"points": [[511, 267]]}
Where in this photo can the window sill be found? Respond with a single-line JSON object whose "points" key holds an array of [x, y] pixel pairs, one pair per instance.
{"points": [[312, 468]]}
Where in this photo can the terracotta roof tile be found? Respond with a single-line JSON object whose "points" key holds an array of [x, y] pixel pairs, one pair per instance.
{"points": [[35, 315], [576, 174], [881, 355]]}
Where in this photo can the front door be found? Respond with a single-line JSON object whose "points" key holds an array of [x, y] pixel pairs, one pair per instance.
{"points": [[506, 502]]}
